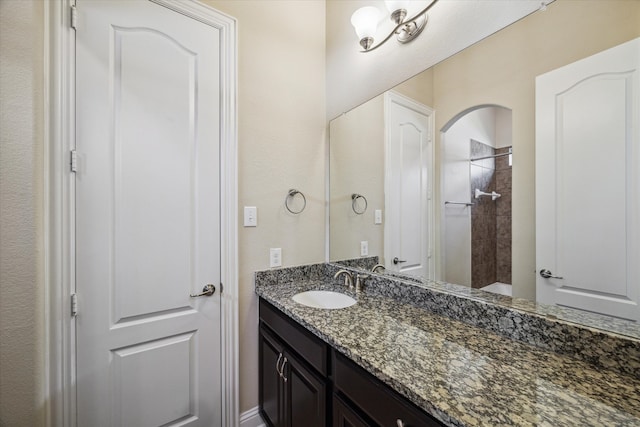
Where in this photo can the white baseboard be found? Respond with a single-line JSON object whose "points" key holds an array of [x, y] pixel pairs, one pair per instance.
{"points": [[251, 418]]}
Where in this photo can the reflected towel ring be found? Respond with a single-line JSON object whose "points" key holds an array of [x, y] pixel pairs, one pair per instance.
{"points": [[290, 195], [354, 199]]}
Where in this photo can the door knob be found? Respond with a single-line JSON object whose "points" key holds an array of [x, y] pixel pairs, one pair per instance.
{"points": [[207, 291], [548, 275], [398, 261]]}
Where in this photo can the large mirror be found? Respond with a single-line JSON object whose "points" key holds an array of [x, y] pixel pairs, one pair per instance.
{"points": [[471, 122]]}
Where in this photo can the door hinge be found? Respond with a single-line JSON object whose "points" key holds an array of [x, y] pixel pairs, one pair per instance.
{"points": [[74, 305], [73, 162], [221, 287], [74, 17]]}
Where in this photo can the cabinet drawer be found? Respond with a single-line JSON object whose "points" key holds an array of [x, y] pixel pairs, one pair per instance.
{"points": [[382, 404], [312, 349]]}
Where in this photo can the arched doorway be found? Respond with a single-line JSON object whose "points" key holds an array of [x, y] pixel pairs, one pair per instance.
{"points": [[476, 190]]}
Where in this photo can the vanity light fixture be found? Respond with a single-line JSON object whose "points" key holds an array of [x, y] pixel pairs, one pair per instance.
{"points": [[365, 21]]}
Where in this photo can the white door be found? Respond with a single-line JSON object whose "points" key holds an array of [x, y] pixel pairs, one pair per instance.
{"points": [[408, 184], [147, 217], [588, 183]]}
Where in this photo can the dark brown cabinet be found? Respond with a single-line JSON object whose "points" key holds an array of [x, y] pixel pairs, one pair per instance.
{"points": [[271, 382], [304, 384], [293, 393], [304, 395]]}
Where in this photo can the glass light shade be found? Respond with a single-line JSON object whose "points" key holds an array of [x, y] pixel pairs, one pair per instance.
{"points": [[393, 5], [365, 21]]}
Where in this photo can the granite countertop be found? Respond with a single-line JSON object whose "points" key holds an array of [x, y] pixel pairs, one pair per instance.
{"points": [[461, 374]]}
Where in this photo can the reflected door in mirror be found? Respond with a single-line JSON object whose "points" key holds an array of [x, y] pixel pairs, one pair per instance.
{"points": [[408, 186], [588, 183]]}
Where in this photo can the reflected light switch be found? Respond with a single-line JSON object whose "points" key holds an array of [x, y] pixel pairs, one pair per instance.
{"points": [[364, 248], [377, 216]]}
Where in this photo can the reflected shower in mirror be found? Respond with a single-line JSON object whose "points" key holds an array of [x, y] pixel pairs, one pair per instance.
{"points": [[476, 188]]}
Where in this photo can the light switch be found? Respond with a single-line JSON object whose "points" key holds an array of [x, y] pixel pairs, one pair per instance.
{"points": [[377, 216], [250, 216]]}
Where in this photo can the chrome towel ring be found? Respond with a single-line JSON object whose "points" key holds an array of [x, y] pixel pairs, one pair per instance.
{"points": [[290, 196], [354, 202]]}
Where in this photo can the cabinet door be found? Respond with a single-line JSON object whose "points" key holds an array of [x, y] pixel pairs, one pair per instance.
{"points": [[344, 416], [271, 385], [305, 395]]}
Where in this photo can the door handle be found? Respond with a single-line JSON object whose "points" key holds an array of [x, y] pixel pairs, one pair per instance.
{"points": [[548, 275], [207, 291], [398, 261]]}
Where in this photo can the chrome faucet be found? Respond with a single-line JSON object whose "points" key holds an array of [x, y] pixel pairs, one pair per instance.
{"points": [[348, 278], [360, 278], [373, 270]]}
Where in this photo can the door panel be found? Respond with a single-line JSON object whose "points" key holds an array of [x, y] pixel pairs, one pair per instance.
{"points": [[147, 215], [138, 384], [408, 186], [155, 133], [588, 183]]}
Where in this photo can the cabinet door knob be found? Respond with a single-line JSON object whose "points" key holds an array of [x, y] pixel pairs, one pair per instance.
{"points": [[399, 422]]}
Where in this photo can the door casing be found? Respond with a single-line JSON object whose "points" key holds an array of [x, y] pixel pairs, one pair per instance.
{"points": [[59, 139]]}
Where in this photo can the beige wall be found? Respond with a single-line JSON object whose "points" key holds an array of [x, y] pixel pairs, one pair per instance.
{"points": [[501, 70], [21, 213], [281, 121], [357, 165], [281, 141]]}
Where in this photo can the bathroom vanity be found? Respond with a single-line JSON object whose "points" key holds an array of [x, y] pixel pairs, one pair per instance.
{"points": [[303, 382], [390, 360]]}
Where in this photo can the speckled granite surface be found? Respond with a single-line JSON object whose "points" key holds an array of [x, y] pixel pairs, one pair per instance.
{"points": [[464, 375], [602, 348]]}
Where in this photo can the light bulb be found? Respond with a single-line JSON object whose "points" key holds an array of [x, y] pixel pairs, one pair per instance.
{"points": [[365, 21], [393, 5]]}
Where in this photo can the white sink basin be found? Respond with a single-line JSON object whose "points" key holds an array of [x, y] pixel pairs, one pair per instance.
{"points": [[324, 299]]}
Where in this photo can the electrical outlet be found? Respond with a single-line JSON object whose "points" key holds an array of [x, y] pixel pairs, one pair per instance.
{"points": [[250, 216], [364, 248], [275, 257]]}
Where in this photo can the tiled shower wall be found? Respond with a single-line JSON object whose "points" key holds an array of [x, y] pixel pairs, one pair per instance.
{"points": [[503, 217], [490, 220]]}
